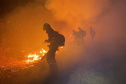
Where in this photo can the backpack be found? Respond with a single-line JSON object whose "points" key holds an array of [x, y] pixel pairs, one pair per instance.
{"points": [[59, 39]]}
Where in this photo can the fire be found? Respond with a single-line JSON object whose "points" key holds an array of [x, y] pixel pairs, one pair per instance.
{"points": [[61, 47], [35, 57], [43, 51]]}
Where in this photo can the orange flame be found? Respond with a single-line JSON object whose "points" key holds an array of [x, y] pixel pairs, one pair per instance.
{"points": [[35, 57]]}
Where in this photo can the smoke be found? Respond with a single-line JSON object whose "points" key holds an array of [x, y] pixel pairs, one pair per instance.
{"points": [[83, 12], [6, 7], [107, 17], [17, 18], [78, 12], [22, 22]]}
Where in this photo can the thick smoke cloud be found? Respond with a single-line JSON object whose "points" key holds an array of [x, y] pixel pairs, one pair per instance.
{"points": [[79, 11], [107, 18], [86, 13], [22, 22]]}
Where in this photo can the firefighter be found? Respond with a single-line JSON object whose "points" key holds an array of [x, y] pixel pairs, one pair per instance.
{"points": [[92, 33], [55, 39], [79, 36]]}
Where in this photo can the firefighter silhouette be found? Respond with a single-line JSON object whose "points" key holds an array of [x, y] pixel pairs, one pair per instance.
{"points": [[92, 33], [79, 35], [56, 40]]}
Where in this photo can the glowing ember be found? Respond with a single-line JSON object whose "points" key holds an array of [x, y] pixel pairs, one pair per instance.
{"points": [[61, 47], [43, 52], [35, 57]]}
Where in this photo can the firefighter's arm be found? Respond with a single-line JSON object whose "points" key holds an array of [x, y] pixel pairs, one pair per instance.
{"points": [[47, 41], [50, 40]]}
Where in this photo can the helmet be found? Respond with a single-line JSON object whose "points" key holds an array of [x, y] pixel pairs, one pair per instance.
{"points": [[46, 26]]}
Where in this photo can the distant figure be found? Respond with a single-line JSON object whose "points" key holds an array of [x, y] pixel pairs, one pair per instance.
{"points": [[76, 35], [82, 32], [55, 39], [92, 33], [79, 35]]}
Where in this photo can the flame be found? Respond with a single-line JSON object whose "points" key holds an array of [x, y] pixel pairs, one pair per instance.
{"points": [[35, 57], [61, 47], [43, 51]]}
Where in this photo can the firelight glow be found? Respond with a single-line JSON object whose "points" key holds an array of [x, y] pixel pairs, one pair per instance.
{"points": [[36, 57]]}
